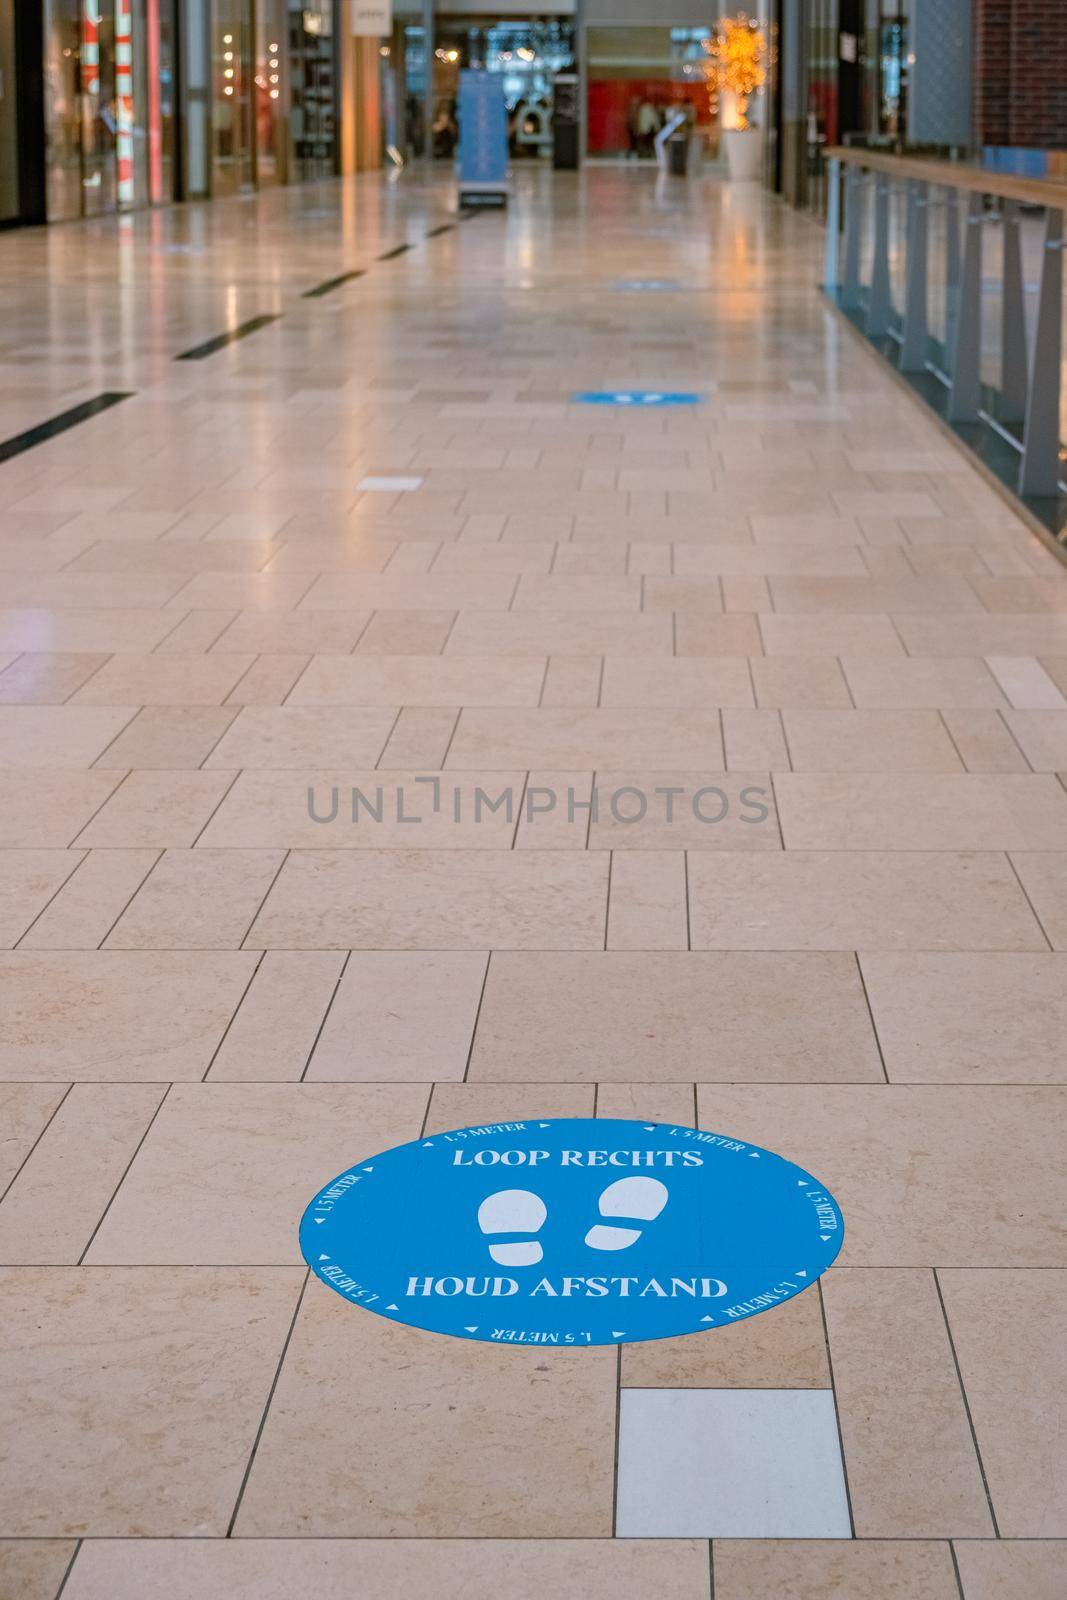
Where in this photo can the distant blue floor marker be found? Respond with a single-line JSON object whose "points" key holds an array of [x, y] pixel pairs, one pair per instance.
{"points": [[571, 1232], [634, 397]]}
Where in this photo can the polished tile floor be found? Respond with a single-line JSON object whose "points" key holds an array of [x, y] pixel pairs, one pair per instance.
{"points": [[259, 603]]}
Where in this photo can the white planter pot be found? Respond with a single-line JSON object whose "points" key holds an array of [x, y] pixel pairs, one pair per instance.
{"points": [[743, 151]]}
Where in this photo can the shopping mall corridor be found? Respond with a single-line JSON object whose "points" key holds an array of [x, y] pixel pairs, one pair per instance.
{"points": [[815, 670]]}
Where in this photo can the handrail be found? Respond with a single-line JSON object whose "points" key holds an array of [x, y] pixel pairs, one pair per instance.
{"points": [[956, 175], [1025, 406]]}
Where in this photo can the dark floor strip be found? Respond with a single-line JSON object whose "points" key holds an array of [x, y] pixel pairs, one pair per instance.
{"points": [[391, 255], [221, 340], [332, 283], [60, 424], [446, 227]]}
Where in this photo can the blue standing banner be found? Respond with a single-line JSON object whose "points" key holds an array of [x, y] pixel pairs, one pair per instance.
{"points": [[483, 139]]}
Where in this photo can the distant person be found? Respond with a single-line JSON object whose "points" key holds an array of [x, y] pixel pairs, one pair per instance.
{"points": [[633, 135], [647, 127]]}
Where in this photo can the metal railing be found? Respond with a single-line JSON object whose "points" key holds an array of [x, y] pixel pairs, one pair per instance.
{"points": [[907, 270]]}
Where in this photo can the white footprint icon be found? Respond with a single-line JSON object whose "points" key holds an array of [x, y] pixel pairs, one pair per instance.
{"points": [[513, 1211], [643, 1198]]}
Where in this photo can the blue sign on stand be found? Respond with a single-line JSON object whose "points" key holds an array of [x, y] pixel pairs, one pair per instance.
{"points": [[483, 139], [634, 397], [572, 1232]]}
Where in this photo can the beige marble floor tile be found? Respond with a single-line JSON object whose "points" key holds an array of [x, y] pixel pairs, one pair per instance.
{"points": [[401, 1016], [901, 1407], [671, 810], [897, 685], [417, 592], [47, 808], [375, 810], [157, 810], [273, 1032], [420, 738], [572, 681], [242, 591], [444, 1392], [565, 592], [800, 681], [900, 596], [647, 901], [623, 1017], [465, 1105], [942, 1205], [1044, 877], [781, 1349], [28, 881], [344, 681], [178, 680], [1011, 1569], [91, 901], [41, 678], [569, 633], [172, 737], [706, 634], [1042, 737], [675, 683], [90, 1141], [754, 741], [826, 635], [405, 633], [428, 900], [122, 591], [303, 736], [195, 633], [1009, 1329], [982, 635], [137, 1414], [869, 741], [33, 1569], [197, 900], [116, 1016], [456, 559], [833, 1569], [975, 1018], [697, 597], [844, 900], [983, 741], [910, 811], [332, 1569], [228, 1168], [647, 1102], [69, 630], [296, 633], [573, 739], [269, 681], [25, 1109], [1026, 595], [727, 559]]}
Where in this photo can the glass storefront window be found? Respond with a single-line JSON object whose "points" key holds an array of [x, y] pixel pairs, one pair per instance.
{"points": [[526, 55], [312, 119], [232, 105], [109, 105]]}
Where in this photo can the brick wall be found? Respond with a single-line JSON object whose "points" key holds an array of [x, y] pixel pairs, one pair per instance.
{"points": [[1020, 72]]}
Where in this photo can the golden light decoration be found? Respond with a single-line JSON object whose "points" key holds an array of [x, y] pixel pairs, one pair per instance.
{"points": [[737, 61]]}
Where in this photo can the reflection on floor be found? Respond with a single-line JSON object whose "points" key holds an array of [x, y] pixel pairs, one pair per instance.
{"points": [[375, 541]]}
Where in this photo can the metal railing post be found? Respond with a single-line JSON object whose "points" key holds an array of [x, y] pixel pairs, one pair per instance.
{"points": [[965, 362], [850, 289], [952, 267], [1039, 472], [1012, 321], [880, 305], [913, 348], [833, 225]]}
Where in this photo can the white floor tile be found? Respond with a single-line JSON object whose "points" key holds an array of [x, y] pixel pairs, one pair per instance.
{"points": [[730, 1464]]}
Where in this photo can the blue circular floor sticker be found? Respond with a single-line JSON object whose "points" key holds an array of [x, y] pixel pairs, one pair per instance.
{"points": [[571, 1232], [635, 397]]}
